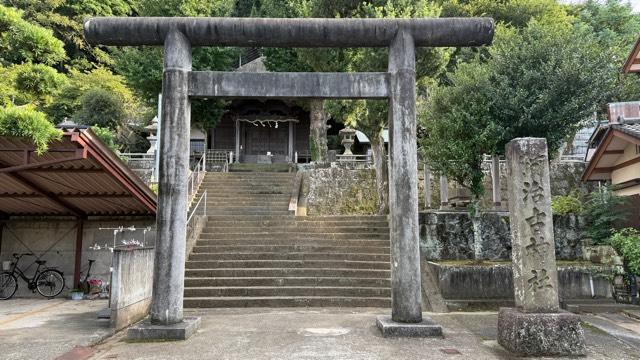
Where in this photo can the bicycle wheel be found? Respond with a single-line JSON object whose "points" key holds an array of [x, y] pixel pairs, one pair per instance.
{"points": [[50, 283], [8, 285]]}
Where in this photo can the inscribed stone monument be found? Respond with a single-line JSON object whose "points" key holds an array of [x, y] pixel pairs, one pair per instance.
{"points": [[536, 326]]}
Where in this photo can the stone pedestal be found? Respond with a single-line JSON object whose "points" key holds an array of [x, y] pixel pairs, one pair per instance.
{"points": [[541, 334], [424, 328], [146, 331], [536, 327]]}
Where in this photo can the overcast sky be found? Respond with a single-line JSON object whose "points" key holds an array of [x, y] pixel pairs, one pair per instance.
{"points": [[634, 3]]}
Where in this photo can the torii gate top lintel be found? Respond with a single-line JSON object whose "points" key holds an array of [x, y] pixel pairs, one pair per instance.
{"points": [[287, 32]]}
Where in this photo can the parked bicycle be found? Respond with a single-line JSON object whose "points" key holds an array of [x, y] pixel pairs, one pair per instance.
{"points": [[48, 281]]}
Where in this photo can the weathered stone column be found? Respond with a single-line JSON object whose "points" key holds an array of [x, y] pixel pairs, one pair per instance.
{"points": [[406, 314], [535, 327], [444, 192], [427, 187], [318, 129], [168, 285], [495, 180], [166, 320], [405, 254]]}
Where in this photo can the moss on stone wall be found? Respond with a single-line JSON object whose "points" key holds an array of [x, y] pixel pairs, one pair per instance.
{"points": [[342, 191]]}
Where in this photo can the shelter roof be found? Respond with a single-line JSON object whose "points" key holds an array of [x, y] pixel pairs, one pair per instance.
{"points": [[611, 140], [632, 65], [78, 176]]}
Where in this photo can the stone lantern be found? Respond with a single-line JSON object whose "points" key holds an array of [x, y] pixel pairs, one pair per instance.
{"points": [[153, 129], [347, 135]]}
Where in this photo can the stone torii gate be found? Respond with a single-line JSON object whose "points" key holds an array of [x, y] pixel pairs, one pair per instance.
{"points": [[180, 84]]}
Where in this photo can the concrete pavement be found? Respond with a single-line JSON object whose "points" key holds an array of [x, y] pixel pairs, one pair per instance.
{"points": [[332, 333], [46, 329]]}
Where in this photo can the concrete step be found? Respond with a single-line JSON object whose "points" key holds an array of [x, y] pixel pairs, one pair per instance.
{"points": [[294, 235], [303, 218], [279, 241], [283, 272], [214, 212], [269, 291], [285, 301], [314, 248], [215, 187], [303, 229], [260, 168], [255, 264], [287, 256], [286, 281], [290, 221]]}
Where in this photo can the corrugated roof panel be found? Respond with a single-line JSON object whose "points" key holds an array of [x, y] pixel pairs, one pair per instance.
{"points": [[97, 185]]}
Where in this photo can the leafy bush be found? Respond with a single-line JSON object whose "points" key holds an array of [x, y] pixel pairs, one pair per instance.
{"points": [[602, 210], [21, 41], [568, 204], [107, 136], [102, 108], [627, 243], [27, 122]]}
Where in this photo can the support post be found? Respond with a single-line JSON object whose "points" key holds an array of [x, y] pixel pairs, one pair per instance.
{"points": [[406, 290], [495, 180], [427, 187], [168, 284], [444, 192], [78, 252], [237, 132], [290, 148]]}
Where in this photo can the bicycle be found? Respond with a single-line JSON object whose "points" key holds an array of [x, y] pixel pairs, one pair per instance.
{"points": [[84, 283], [49, 282]]}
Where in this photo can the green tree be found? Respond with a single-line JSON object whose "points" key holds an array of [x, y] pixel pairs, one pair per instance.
{"points": [[21, 41], [541, 81], [27, 122], [65, 19], [371, 117], [67, 101], [602, 210], [101, 108], [142, 67]]}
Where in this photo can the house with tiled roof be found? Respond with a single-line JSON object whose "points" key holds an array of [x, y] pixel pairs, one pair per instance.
{"points": [[614, 150]]}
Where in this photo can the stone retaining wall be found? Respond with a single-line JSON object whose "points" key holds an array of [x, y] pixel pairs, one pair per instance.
{"points": [[495, 281], [451, 236]]}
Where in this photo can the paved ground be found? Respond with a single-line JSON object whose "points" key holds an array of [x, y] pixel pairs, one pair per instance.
{"points": [[343, 334], [46, 329]]}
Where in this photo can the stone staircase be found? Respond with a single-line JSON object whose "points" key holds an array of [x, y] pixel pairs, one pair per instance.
{"points": [[253, 253]]}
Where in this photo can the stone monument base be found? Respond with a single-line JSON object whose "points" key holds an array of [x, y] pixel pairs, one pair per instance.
{"points": [[146, 331], [540, 334], [425, 328]]}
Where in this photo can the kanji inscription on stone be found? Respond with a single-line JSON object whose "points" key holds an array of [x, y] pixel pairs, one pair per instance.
{"points": [[533, 251]]}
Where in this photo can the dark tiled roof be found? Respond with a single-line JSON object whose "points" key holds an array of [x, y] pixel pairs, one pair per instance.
{"points": [[632, 129]]}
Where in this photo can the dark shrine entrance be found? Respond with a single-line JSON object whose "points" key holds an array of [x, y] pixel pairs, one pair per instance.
{"points": [[263, 132]]}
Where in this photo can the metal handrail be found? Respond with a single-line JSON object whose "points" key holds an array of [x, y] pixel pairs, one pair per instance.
{"points": [[354, 158], [219, 157], [196, 206], [196, 176]]}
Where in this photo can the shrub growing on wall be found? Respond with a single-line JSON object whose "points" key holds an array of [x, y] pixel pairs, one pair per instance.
{"points": [[27, 122], [602, 210], [566, 204], [627, 243]]}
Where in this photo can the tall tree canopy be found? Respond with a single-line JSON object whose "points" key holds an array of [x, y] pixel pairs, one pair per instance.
{"points": [[542, 80]]}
